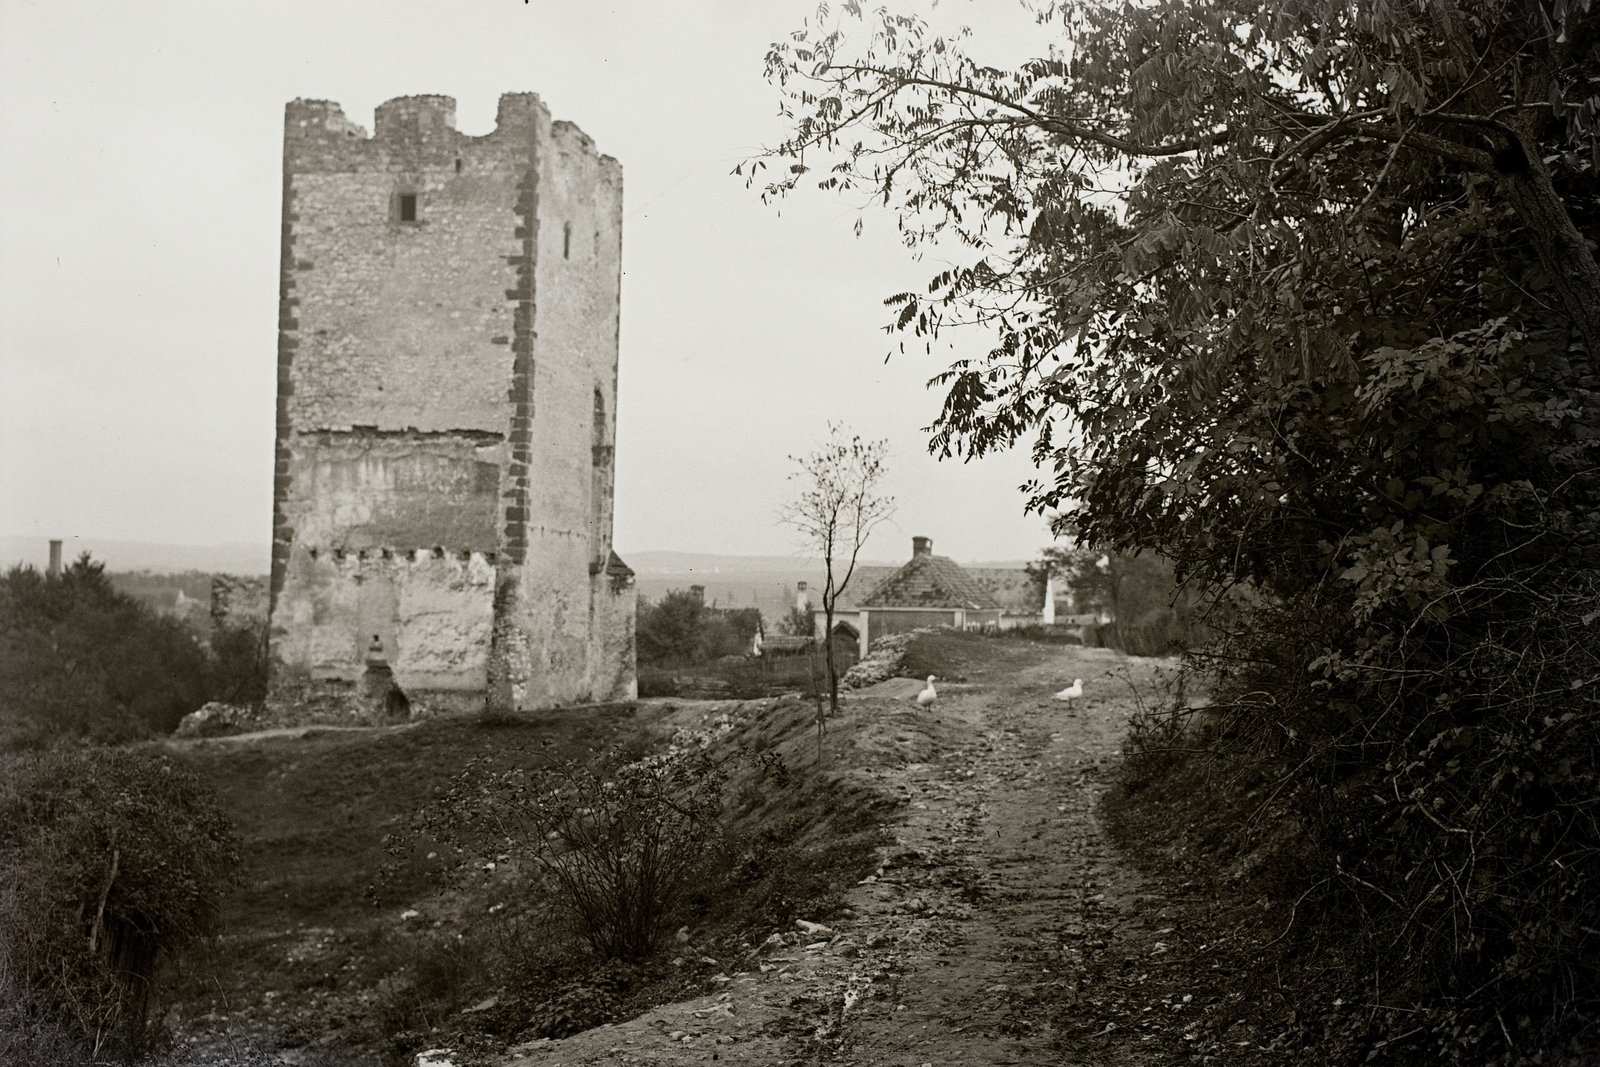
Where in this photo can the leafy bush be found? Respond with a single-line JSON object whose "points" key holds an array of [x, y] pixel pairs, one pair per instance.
{"points": [[239, 664], [108, 859], [797, 622], [80, 659], [619, 844], [658, 682], [77, 658], [1429, 803], [679, 629]]}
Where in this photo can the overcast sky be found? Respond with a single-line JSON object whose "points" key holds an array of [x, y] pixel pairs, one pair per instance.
{"points": [[139, 225]]}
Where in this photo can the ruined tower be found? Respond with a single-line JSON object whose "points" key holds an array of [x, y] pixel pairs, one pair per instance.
{"points": [[447, 376]]}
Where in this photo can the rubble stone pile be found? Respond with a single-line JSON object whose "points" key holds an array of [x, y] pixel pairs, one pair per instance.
{"points": [[883, 659]]}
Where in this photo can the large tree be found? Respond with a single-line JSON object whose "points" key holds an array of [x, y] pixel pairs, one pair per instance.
{"points": [[1301, 295], [1215, 242]]}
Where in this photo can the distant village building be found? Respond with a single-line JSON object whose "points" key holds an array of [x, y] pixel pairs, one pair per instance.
{"points": [[447, 404], [928, 590]]}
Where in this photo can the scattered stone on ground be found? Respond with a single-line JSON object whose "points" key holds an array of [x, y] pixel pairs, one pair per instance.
{"points": [[881, 661], [214, 719]]}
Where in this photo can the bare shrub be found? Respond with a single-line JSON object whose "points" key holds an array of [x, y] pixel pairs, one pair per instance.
{"points": [[617, 845]]}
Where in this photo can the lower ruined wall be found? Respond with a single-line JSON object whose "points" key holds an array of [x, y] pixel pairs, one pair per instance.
{"points": [[882, 621], [614, 675], [348, 627]]}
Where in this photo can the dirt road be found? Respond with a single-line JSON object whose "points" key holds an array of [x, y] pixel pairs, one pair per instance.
{"points": [[976, 941]]}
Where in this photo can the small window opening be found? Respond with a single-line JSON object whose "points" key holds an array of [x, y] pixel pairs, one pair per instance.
{"points": [[408, 207], [566, 240], [458, 166]]}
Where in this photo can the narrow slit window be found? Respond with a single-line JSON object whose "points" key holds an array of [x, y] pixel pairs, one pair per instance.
{"points": [[408, 207], [566, 240], [458, 166]]}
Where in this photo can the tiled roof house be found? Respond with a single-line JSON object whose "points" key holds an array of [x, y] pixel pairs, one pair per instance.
{"points": [[928, 590]]}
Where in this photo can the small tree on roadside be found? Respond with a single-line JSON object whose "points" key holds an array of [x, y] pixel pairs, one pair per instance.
{"points": [[838, 506]]}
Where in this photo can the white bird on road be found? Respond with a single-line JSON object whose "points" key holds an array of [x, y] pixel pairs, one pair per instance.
{"points": [[1071, 692], [928, 695]]}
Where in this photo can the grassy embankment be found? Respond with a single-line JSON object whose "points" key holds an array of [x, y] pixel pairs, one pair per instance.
{"points": [[325, 949]]}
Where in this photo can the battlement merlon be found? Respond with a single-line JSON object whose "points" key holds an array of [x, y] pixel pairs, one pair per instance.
{"points": [[319, 120], [319, 138]]}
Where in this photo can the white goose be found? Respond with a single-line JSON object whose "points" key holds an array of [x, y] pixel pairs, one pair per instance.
{"points": [[1071, 692], [928, 695]]}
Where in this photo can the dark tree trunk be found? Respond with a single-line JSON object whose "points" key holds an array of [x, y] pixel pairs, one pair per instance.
{"points": [[1526, 185]]}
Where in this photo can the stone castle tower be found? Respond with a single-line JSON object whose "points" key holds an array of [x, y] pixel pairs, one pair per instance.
{"points": [[447, 384]]}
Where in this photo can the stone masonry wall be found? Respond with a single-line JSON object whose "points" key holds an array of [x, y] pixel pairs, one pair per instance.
{"points": [[449, 308]]}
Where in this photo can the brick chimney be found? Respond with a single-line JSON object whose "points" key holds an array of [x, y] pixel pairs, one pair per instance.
{"points": [[921, 546]]}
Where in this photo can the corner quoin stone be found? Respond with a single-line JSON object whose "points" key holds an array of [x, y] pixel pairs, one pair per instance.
{"points": [[447, 381]]}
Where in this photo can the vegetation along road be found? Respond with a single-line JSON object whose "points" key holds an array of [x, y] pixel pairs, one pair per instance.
{"points": [[982, 936]]}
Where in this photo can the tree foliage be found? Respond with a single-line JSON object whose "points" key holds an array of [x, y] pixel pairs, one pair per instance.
{"points": [[108, 859], [79, 659], [1150, 612], [679, 630], [1300, 295], [1214, 242]]}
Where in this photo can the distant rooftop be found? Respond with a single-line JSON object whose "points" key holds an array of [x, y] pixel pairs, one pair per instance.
{"points": [[930, 581]]}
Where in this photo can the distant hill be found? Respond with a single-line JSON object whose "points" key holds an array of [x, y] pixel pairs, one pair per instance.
{"points": [[234, 558]]}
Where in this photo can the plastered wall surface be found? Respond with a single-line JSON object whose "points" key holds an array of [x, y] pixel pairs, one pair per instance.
{"points": [[448, 337]]}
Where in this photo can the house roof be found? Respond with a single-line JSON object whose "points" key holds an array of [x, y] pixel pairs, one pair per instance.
{"points": [[1017, 591], [615, 568], [930, 581], [862, 582]]}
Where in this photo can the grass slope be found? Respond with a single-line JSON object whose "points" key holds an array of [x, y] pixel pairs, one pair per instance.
{"points": [[326, 952]]}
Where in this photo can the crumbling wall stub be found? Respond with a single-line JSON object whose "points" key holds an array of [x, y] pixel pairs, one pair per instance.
{"points": [[613, 655], [427, 615]]}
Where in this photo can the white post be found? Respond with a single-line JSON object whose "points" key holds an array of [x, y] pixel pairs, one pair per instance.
{"points": [[1049, 599], [862, 638]]}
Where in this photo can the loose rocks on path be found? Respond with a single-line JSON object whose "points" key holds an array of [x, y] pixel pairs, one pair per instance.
{"points": [[972, 943]]}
